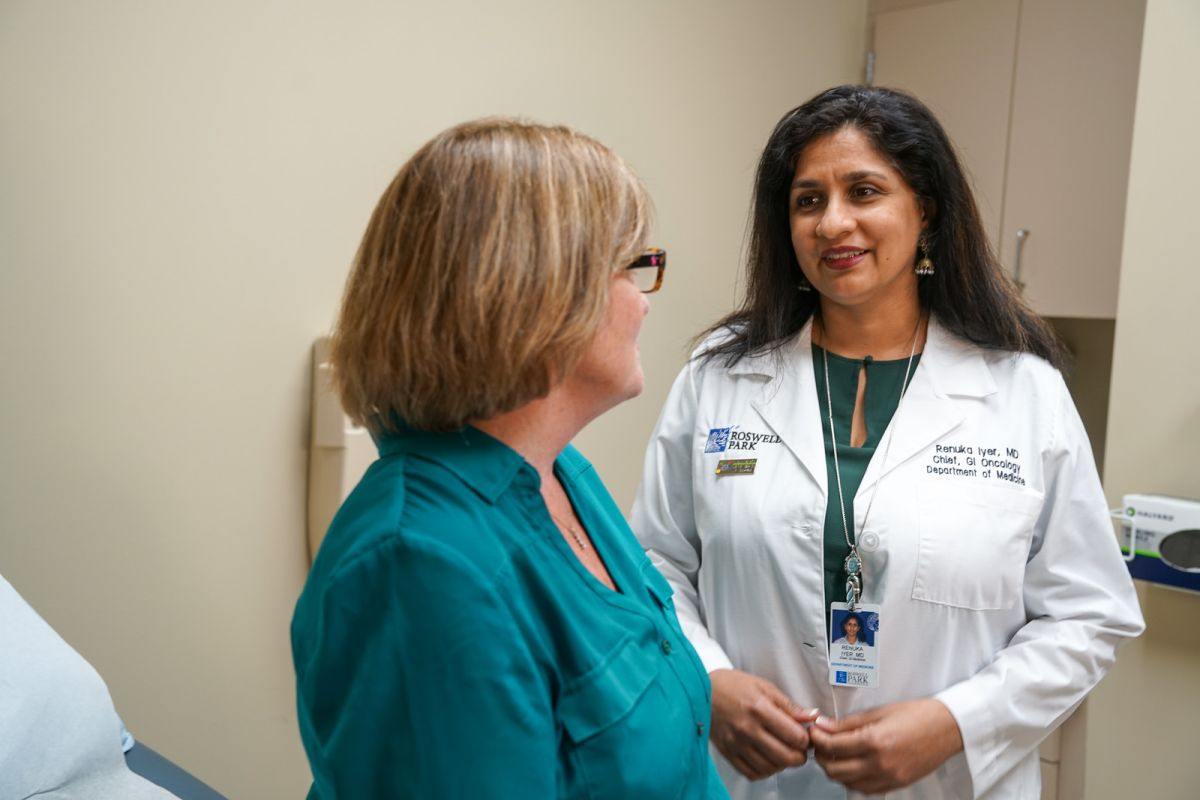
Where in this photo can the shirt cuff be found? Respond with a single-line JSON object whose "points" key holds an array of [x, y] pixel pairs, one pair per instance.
{"points": [[973, 715]]}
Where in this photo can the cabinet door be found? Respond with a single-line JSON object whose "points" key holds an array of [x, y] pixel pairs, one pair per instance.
{"points": [[1068, 164], [957, 57]]}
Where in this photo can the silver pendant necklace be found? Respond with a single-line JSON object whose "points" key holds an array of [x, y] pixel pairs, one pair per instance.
{"points": [[569, 528], [853, 562]]}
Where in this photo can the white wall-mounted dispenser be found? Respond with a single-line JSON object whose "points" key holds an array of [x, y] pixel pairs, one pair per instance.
{"points": [[339, 451], [1161, 539]]}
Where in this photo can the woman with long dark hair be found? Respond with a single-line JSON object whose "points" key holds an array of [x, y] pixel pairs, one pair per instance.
{"points": [[881, 427]]}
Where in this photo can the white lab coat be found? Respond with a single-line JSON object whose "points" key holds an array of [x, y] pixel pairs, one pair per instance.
{"points": [[1003, 593]]}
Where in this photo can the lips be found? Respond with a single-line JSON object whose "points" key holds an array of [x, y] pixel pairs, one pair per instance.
{"points": [[842, 257]]}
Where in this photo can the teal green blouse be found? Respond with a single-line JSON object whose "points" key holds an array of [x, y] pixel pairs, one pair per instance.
{"points": [[449, 644], [882, 396]]}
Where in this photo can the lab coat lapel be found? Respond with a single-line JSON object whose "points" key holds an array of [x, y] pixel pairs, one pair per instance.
{"points": [[951, 374], [788, 402]]}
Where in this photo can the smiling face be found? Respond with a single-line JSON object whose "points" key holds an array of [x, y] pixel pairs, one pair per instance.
{"points": [[855, 223], [850, 628]]}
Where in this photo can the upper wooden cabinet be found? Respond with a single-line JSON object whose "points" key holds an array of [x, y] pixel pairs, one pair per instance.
{"points": [[958, 58], [1038, 96]]}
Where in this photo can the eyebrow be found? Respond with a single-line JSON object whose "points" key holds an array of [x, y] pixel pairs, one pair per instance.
{"points": [[849, 177]]}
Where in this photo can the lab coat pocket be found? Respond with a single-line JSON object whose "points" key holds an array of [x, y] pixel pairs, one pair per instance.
{"points": [[616, 718], [973, 544]]}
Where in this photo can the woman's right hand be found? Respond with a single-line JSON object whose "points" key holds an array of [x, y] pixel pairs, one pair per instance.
{"points": [[758, 729]]}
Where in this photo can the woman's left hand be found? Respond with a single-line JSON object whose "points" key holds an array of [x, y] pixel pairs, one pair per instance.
{"points": [[888, 747]]}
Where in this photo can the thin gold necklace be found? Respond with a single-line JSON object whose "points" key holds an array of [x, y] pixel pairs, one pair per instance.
{"points": [[569, 528]]}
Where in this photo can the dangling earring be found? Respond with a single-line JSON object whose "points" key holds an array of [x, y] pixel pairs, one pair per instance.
{"points": [[924, 267], [804, 285]]}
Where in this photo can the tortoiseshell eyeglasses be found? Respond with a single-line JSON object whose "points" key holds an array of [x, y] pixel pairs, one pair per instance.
{"points": [[648, 270]]}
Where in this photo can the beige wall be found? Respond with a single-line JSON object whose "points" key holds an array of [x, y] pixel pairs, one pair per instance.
{"points": [[181, 188], [1141, 722]]}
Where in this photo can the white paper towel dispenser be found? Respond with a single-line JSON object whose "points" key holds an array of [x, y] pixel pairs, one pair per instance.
{"points": [[339, 451], [1161, 539]]}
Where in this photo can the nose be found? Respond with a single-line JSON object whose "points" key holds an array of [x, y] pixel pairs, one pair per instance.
{"points": [[836, 220]]}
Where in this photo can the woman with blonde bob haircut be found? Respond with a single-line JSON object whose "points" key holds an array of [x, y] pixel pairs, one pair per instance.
{"points": [[479, 621], [462, 307]]}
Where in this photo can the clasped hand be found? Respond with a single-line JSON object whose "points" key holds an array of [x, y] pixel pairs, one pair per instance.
{"points": [[887, 747], [758, 729]]}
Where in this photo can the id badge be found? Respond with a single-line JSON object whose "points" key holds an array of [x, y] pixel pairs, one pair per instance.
{"points": [[854, 646]]}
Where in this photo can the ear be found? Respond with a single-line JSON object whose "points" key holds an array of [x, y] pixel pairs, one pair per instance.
{"points": [[928, 211]]}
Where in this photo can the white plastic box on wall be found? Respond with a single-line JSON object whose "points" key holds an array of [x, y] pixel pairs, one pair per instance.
{"points": [[1161, 539], [339, 451]]}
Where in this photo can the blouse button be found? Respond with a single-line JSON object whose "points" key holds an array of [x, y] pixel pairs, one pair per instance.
{"points": [[666, 646], [699, 728], [869, 541]]}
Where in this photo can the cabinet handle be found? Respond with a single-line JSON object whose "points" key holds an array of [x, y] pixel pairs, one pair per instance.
{"points": [[1022, 235]]}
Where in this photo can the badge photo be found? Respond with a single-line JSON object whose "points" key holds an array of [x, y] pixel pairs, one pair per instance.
{"points": [[854, 645]]}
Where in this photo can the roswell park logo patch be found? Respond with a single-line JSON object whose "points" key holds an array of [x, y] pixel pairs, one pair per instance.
{"points": [[718, 440], [733, 438]]}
